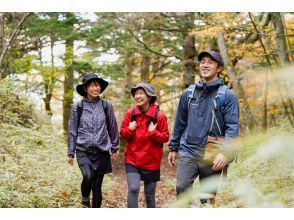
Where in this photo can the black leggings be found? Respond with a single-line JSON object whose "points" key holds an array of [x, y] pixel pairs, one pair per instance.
{"points": [[91, 181], [133, 180]]}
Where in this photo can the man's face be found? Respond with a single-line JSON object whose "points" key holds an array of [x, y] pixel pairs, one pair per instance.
{"points": [[209, 68]]}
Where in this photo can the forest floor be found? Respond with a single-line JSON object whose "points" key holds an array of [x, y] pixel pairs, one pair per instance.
{"points": [[165, 189]]}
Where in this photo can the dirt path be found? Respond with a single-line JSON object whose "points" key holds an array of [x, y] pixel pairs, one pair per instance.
{"points": [[117, 195]]}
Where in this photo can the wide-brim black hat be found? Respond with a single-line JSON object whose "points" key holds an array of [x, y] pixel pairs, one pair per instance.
{"points": [[91, 77]]}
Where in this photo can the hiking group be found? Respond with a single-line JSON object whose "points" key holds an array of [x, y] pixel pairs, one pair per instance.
{"points": [[205, 127]]}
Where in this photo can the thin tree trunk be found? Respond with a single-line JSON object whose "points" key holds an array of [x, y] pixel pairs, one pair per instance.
{"points": [[145, 68], [287, 38], [126, 98], [189, 64], [189, 53], [1, 32], [235, 81], [129, 68], [68, 77], [68, 82], [280, 38], [265, 107], [11, 40]]}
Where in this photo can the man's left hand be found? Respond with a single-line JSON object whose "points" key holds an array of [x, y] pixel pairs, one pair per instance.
{"points": [[219, 162]]}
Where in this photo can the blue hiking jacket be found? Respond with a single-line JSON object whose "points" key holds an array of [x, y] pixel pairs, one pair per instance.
{"points": [[190, 134]]}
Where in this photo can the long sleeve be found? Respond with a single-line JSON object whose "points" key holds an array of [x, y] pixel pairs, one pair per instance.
{"points": [[179, 124], [161, 134], [112, 128], [125, 132], [72, 131], [231, 117]]}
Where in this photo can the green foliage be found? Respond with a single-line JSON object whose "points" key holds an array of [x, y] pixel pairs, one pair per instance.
{"points": [[261, 177], [33, 171], [14, 108]]}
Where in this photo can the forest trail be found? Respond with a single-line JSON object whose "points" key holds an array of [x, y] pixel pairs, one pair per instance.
{"points": [[117, 197]]}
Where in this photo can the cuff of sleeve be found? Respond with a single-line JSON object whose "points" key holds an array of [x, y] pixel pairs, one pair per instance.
{"points": [[173, 150], [71, 155], [130, 132], [151, 133], [114, 150]]}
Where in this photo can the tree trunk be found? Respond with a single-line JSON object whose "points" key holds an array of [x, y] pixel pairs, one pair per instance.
{"points": [[280, 38], [189, 53], [265, 107], [47, 100], [1, 32], [68, 78], [189, 64], [145, 68], [237, 86], [68, 82], [46, 80]]}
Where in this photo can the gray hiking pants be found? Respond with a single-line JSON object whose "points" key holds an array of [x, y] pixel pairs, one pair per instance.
{"points": [[189, 169]]}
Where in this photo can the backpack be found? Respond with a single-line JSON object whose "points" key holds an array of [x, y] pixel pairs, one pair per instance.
{"points": [[219, 99], [104, 106], [153, 119]]}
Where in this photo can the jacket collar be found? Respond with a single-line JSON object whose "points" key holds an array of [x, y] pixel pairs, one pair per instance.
{"points": [[150, 112], [210, 85], [91, 101]]}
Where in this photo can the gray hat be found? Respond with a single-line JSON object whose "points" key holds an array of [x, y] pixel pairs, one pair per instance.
{"points": [[88, 78], [149, 89], [214, 55]]}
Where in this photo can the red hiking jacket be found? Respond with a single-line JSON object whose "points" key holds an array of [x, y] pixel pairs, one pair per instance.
{"points": [[144, 148]]}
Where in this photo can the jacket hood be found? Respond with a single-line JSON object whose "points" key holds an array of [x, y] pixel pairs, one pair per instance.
{"points": [[215, 83], [151, 110]]}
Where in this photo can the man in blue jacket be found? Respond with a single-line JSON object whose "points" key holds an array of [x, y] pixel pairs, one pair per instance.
{"points": [[207, 108]]}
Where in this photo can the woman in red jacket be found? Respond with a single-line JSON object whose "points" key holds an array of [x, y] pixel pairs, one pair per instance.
{"points": [[145, 129]]}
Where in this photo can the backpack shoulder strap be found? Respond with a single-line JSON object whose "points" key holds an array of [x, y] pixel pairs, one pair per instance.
{"points": [[133, 115], [191, 89], [154, 118], [221, 98], [105, 106], [80, 111], [219, 103]]}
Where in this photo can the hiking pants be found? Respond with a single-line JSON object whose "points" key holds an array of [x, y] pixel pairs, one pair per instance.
{"points": [[189, 169], [133, 180], [91, 181]]}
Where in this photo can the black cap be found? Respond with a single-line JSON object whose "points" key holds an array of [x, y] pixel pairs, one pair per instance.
{"points": [[91, 77], [214, 55]]}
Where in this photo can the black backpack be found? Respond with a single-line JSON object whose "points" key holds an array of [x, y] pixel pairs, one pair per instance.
{"points": [[153, 119]]}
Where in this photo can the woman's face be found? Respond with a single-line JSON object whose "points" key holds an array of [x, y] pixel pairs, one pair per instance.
{"points": [[141, 98], [93, 90]]}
